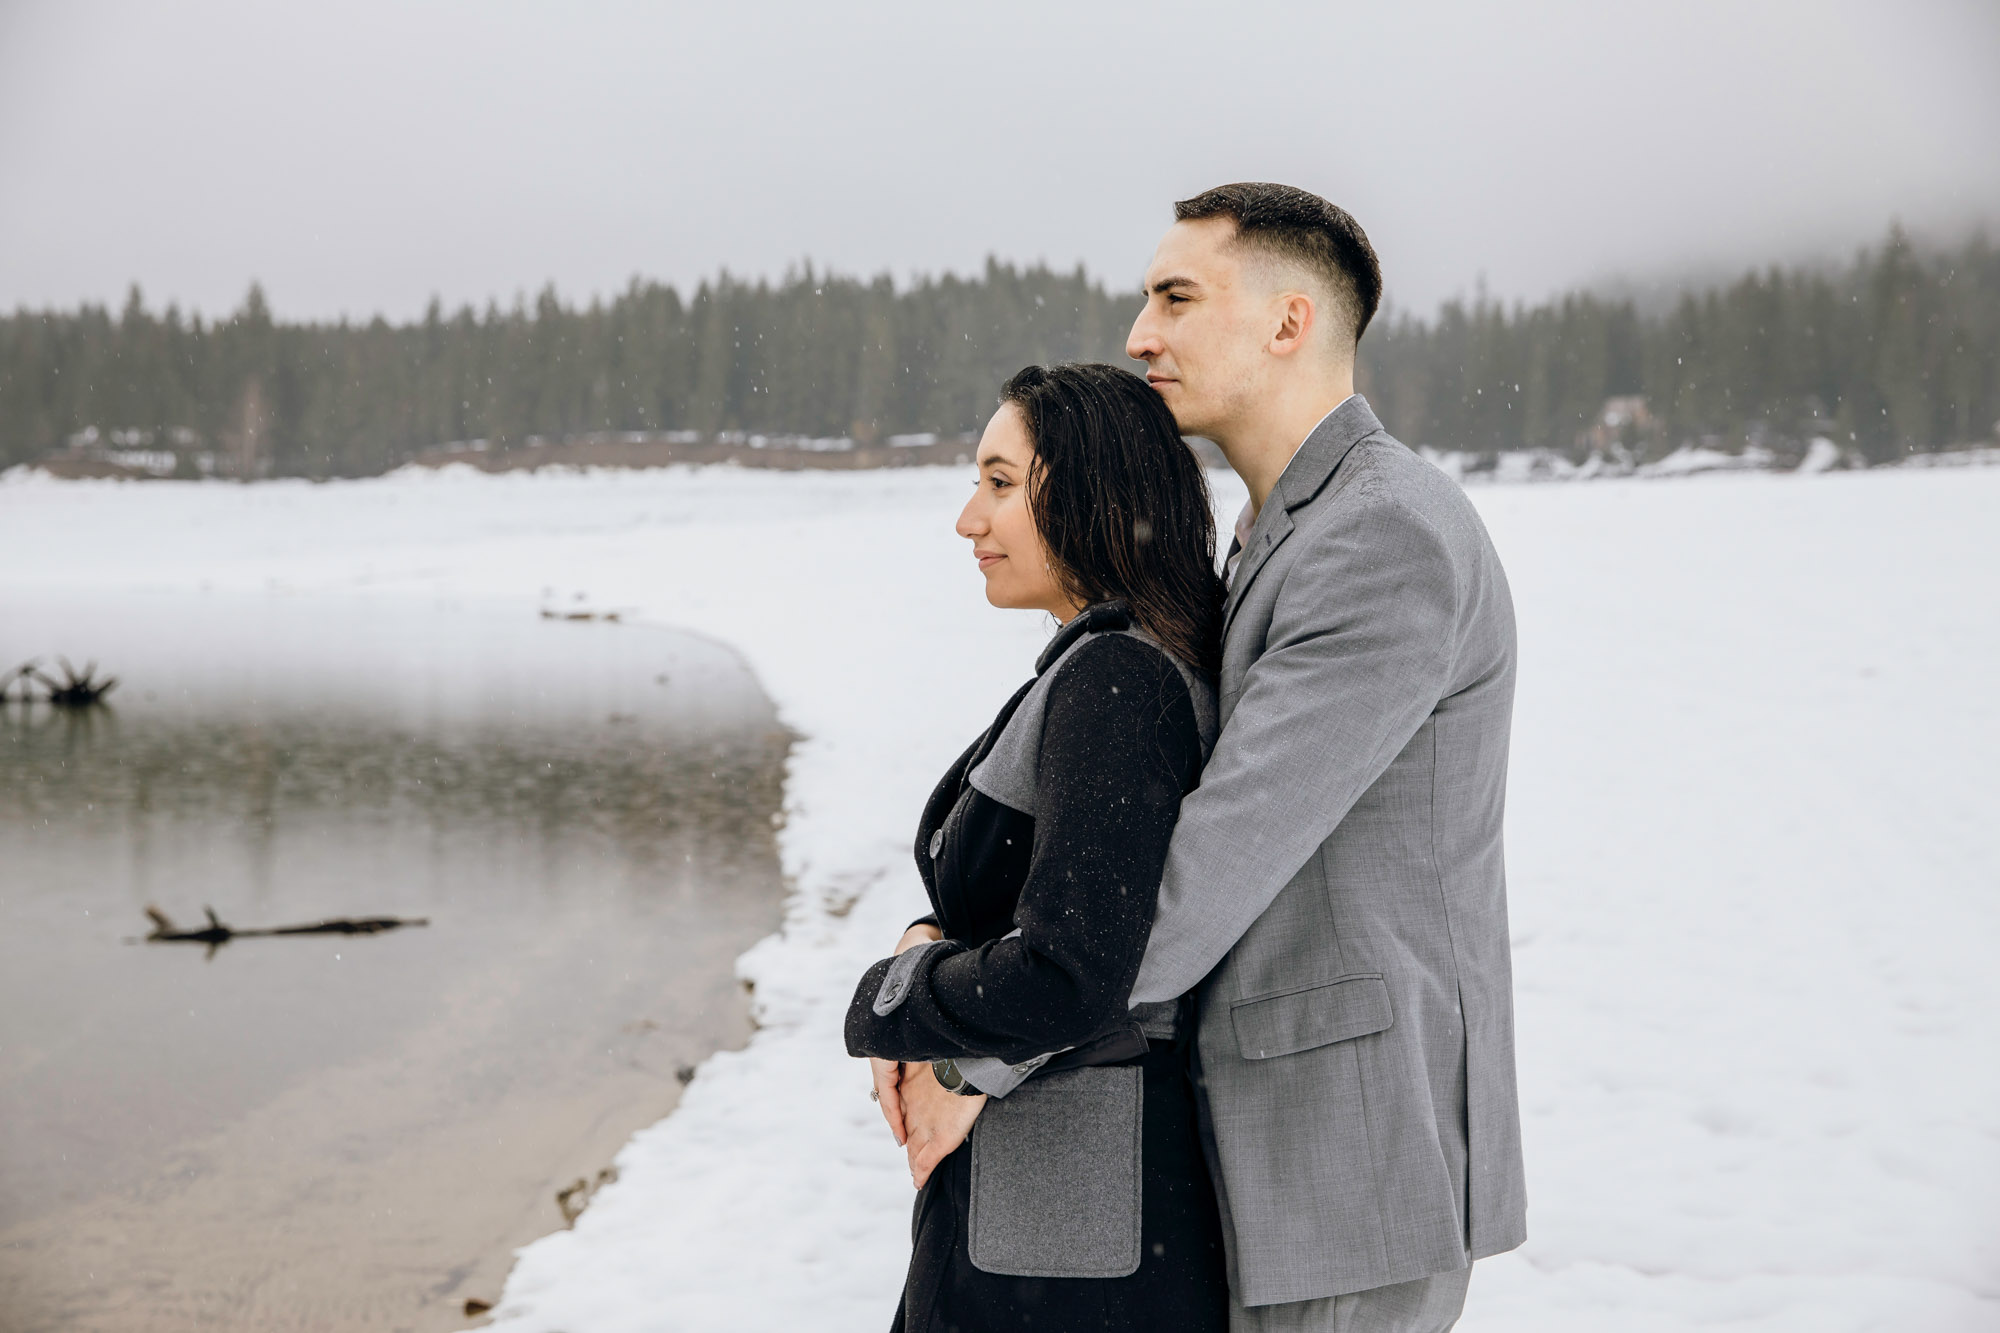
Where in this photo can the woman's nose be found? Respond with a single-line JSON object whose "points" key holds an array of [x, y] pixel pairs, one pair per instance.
{"points": [[971, 520]]}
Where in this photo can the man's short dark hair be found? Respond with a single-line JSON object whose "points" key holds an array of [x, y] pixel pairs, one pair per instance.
{"points": [[1300, 226]]}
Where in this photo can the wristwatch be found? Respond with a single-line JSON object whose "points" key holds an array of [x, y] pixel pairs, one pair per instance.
{"points": [[952, 1079]]}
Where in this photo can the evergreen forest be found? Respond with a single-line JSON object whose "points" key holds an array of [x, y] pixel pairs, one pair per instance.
{"points": [[1897, 352]]}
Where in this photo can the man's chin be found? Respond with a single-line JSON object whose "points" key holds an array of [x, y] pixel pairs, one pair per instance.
{"points": [[1187, 422], [1174, 394]]}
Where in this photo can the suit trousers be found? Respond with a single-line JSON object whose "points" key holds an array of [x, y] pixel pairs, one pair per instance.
{"points": [[1427, 1305]]}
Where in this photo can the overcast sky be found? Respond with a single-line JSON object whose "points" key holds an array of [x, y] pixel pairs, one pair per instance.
{"points": [[358, 157]]}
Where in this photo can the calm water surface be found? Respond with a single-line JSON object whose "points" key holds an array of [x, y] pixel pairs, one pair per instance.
{"points": [[333, 1132]]}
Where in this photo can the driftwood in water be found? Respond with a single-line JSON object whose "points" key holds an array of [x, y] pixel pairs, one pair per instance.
{"points": [[613, 616], [25, 674], [216, 934], [77, 689]]}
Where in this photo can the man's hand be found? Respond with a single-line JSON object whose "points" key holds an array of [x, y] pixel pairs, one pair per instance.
{"points": [[888, 1075], [936, 1121]]}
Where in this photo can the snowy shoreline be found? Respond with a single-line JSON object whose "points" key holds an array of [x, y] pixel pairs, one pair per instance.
{"points": [[1755, 712]]}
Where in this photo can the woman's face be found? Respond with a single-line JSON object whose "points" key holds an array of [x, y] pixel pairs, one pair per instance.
{"points": [[1001, 526]]}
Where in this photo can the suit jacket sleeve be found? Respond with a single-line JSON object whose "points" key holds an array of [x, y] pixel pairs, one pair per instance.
{"points": [[1358, 655]]}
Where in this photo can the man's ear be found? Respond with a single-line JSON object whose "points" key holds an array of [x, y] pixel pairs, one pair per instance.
{"points": [[1296, 320]]}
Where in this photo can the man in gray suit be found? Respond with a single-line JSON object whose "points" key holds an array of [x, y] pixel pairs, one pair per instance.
{"points": [[1335, 893]]}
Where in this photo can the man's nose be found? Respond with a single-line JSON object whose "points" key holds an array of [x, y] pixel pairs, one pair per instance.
{"points": [[1142, 344]]}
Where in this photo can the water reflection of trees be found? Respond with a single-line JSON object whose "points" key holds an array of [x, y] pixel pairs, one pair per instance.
{"points": [[616, 782]]}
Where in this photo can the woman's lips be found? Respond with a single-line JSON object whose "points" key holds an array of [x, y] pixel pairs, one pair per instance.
{"points": [[986, 560]]}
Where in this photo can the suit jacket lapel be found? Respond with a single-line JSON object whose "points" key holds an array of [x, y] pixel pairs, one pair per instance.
{"points": [[1304, 477], [1274, 524]]}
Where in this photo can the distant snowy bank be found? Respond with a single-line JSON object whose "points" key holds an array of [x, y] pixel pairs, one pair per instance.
{"points": [[1464, 466], [1822, 455], [1751, 849]]}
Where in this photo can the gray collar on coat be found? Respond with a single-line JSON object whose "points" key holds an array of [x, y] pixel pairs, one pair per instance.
{"points": [[1303, 479], [1314, 464]]}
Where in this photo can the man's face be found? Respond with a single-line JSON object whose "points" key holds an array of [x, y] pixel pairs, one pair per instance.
{"points": [[1204, 328]]}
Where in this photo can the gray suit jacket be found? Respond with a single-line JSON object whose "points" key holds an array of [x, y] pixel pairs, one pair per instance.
{"points": [[1335, 885]]}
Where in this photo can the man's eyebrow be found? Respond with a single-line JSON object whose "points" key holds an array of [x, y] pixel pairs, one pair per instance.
{"points": [[1168, 284]]}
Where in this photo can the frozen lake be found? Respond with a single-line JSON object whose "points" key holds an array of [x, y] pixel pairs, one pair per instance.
{"points": [[1751, 856], [353, 1132]]}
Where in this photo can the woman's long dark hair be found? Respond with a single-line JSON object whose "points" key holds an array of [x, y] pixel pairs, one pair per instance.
{"points": [[1122, 504]]}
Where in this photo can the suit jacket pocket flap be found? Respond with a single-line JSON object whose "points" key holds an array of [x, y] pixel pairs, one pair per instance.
{"points": [[1055, 1177], [1316, 1016]]}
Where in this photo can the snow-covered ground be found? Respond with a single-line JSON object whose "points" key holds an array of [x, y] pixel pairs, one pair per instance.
{"points": [[1752, 837]]}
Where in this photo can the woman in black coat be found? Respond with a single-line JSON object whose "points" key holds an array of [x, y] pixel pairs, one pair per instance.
{"points": [[1081, 1199]]}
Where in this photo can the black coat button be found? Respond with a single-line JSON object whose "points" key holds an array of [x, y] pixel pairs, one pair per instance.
{"points": [[937, 843]]}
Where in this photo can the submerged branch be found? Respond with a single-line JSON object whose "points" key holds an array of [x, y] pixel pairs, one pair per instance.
{"points": [[216, 933]]}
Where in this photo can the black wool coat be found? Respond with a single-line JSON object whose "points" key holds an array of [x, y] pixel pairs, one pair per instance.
{"points": [[1046, 911]]}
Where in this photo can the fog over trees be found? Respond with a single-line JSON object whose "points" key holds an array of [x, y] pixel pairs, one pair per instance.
{"points": [[1896, 352]]}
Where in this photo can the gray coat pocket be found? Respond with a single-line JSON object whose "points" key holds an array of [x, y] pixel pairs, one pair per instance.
{"points": [[1338, 1010], [1055, 1176]]}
